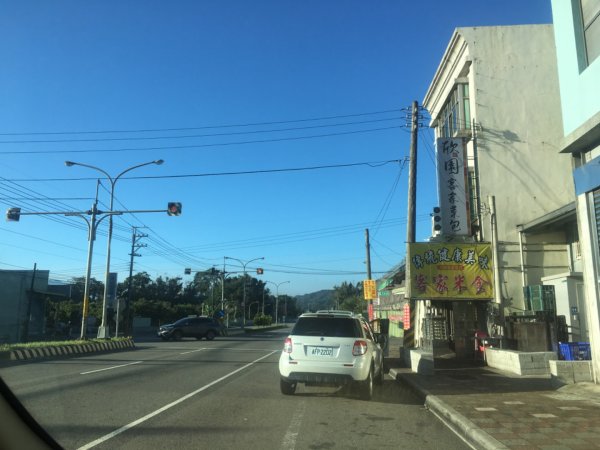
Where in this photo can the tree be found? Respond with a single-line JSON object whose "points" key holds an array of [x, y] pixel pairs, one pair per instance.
{"points": [[349, 297], [78, 289]]}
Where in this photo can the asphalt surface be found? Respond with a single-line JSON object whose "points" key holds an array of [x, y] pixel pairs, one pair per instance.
{"points": [[492, 409]]}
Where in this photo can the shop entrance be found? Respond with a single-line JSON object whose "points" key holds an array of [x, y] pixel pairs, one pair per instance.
{"points": [[450, 329]]}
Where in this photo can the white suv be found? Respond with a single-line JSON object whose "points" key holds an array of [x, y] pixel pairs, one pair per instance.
{"points": [[331, 348]]}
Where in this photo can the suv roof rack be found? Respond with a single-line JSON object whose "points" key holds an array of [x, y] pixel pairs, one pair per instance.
{"points": [[335, 311]]}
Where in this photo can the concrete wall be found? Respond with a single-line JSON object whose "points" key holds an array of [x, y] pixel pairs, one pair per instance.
{"points": [[521, 363]]}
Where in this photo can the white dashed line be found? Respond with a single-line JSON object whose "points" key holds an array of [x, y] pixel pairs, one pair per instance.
{"points": [[289, 440], [110, 368]]}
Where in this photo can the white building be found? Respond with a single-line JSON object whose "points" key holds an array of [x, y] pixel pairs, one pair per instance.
{"points": [[577, 35]]}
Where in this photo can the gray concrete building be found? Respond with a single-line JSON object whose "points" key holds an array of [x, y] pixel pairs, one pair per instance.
{"points": [[497, 87], [22, 303]]}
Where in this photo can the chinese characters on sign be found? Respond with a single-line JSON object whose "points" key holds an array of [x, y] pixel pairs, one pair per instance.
{"points": [[451, 271], [370, 289], [406, 318], [452, 186]]}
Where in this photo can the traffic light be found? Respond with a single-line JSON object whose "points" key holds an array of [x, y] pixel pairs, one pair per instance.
{"points": [[187, 271], [437, 218], [13, 214], [174, 209], [260, 271]]}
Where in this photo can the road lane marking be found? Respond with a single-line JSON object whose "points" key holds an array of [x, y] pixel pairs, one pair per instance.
{"points": [[130, 425], [193, 351], [110, 368], [289, 440]]}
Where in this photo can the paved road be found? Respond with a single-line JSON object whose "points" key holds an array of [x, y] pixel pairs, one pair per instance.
{"points": [[222, 394]]}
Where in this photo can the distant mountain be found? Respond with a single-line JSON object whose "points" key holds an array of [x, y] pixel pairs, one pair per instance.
{"points": [[315, 300]]}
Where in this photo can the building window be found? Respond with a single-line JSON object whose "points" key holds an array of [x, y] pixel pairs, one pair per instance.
{"points": [[455, 115], [590, 18]]}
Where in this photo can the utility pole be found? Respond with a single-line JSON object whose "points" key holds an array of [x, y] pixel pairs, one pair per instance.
{"points": [[369, 270], [29, 300], [409, 336], [127, 313], [412, 176]]}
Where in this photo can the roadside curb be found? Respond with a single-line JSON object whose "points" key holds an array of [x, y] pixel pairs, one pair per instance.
{"points": [[67, 350], [462, 426]]}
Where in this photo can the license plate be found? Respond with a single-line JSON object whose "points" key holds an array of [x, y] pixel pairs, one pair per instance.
{"points": [[321, 351]]}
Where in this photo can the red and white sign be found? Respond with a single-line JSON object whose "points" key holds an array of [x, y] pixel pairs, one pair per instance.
{"points": [[407, 316]]}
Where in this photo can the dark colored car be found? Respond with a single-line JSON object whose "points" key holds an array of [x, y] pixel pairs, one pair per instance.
{"points": [[198, 327]]}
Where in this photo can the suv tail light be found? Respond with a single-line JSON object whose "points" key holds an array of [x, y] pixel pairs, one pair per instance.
{"points": [[287, 346], [359, 348]]}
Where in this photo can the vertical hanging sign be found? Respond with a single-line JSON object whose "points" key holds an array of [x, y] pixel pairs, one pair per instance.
{"points": [[452, 189]]}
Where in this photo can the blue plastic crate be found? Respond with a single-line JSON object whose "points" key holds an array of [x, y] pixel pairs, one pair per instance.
{"points": [[575, 351]]}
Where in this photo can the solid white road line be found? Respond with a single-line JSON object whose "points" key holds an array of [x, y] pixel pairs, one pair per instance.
{"points": [[170, 405]]}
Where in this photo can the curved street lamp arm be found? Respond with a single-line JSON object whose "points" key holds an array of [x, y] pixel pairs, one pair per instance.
{"points": [[157, 161], [71, 163]]}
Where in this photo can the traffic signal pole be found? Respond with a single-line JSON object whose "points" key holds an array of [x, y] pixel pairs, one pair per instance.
{"points": [[13, 215]]}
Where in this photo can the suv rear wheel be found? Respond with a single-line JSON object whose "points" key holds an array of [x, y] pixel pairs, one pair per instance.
{"points": [[286, 387], [365, 388], [379, 378], [210, 335]]}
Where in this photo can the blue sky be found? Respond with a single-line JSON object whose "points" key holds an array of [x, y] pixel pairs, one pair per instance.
{"points": [[222, 87]]}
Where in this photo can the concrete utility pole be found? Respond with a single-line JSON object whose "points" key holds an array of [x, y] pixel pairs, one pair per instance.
{"points": [[412, 176], [409, 336], [369, 269], [127, 326]]}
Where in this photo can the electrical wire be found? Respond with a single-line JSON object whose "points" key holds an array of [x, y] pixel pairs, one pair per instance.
{"points": [[194, 136], [371, 164], [149, 130], [197, 146]]}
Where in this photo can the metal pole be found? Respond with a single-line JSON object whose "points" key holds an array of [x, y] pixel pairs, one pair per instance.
{"points": [[103, 329], [103, 332], [276, 304], [497, 289], [223, 295]]}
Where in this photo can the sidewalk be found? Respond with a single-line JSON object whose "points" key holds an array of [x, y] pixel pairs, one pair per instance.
{"points": [[492, 409]]}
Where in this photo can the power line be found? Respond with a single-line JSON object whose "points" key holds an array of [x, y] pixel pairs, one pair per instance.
{"points": [[150, 130], [183, 147], [372, 164], [191, 136]]}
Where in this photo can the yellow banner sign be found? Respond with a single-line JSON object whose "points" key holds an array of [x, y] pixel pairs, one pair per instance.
{"points": [[370, 289], [451, 271]]}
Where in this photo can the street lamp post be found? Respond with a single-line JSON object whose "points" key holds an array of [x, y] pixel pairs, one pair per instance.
{"points": [[277, 298], [244, 264], [103, 331], [250, 308]]}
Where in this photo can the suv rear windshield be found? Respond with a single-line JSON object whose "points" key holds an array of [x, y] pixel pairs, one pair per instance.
{"points": [[327, 326]]}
